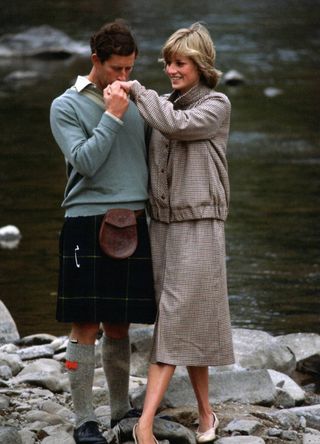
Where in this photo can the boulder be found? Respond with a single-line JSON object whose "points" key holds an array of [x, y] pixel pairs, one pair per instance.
{"points": [[311, 413], [42, 41], [302, 345], [309, 438], [44, 373], [243, 426], [271, 91], [233, 78], [13, 361], [257, 349], [8, 328], [10, 435], [289, 393], [37, 339]]}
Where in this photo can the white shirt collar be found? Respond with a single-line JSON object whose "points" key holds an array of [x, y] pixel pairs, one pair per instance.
{"points": [[81, 83]]}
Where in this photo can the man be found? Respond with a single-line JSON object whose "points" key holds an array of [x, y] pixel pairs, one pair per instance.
{"points": [[102, 137]]}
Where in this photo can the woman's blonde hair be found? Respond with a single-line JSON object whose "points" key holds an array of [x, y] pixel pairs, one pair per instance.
{"points": [[194, 42]]}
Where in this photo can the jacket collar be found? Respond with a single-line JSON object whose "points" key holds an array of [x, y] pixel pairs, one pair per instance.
{"points": [[193, 95]]}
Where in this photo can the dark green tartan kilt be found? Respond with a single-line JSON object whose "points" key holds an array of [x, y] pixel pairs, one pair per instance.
{"points": [[96, 288]]}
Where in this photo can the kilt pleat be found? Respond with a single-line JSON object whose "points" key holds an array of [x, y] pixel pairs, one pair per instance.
{"points": [[96, 288]]}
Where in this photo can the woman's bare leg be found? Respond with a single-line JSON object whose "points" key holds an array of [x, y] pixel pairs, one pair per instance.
{"points": [[199, 377], [159, 376]]}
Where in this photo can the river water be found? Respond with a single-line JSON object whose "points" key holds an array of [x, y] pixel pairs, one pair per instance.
{"points": [[273, 229]]}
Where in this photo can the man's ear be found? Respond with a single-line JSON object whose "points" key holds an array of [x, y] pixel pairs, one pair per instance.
{"points": [[95, 59]]}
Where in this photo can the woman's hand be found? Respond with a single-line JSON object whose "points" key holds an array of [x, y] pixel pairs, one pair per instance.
{"points": [[126, 86]]}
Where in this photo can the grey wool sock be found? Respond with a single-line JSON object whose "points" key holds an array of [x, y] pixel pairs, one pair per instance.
{"points": [[116, 365], [80, 363]]}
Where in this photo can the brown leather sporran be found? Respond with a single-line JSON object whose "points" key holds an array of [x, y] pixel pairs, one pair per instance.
{"points": [[118, 236]]}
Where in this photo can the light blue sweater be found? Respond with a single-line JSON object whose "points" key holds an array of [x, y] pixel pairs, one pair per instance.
{"points": [[106, 157]]}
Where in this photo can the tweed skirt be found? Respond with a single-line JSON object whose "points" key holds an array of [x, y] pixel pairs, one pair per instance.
{"points": [[95, 288], [193, 323]]}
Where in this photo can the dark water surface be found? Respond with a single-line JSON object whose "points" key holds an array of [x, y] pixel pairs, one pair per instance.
{"points": [[273, 229]]}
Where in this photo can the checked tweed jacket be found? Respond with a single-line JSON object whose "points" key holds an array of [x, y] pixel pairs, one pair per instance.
{"points": [[188, 167]]}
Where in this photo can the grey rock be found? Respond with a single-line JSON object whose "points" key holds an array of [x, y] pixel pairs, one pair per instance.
{"points": [[60, 344], [303, 345], [54, 429], [284, 399], [233, 78], [139, 364], [271, 91], [57, 409], [58, 438], [103, 413], [303, 422], [42, 365], [13, 361], [36, 352], [50, 382], [141, 339], [246, 386], [27, 436], [10, 435], [241, 440], [100, 396], [4, 402], [5, 372], [311, 365], [286, 418], [36, 426], [244, 426], [61, 357], [99, 378], [310, 413], [18, 79], [44, 373], [257, 349], [10, 233], [312, 431], [289, 386], [309, 438], [37, 339], [274, 432], [49, 418], [8, 328], [40, 41], [9, 348], [290, 435]]}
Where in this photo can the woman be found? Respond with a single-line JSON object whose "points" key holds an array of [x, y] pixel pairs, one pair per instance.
{"points": [[188, 205]]}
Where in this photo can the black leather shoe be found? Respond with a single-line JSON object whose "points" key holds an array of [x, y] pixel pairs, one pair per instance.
{"points": [[88, 433], [132, 413]]}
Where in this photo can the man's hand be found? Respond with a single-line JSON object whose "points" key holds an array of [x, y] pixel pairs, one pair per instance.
{"points": [[116, 99]]}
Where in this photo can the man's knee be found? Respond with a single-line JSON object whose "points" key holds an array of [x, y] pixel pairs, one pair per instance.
{"points": [[116, 331], [84, 333]]}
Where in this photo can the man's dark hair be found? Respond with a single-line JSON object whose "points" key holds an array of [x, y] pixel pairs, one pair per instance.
{"points": [[113, 39]]}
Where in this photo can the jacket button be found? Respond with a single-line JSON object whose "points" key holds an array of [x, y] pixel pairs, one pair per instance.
{"points": [[162, 170], [163, 197]]}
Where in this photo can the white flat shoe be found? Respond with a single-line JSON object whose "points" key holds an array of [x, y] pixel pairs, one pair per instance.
{"points": [[210, 434]]}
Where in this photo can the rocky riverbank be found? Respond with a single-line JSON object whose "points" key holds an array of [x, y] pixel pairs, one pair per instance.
{"points": [[271, 395]]}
